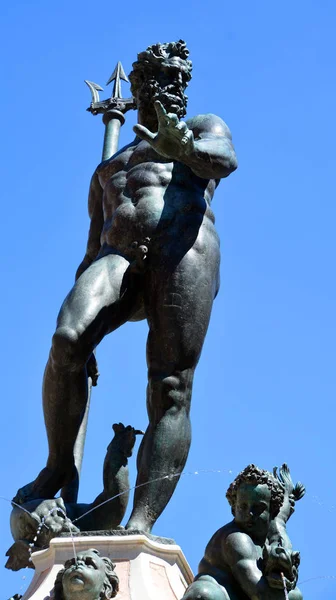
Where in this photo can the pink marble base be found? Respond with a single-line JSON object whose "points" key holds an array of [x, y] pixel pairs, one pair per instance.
{"points": [[147, 570]]}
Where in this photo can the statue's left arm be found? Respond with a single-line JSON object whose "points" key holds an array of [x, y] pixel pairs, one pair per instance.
{"points": [[210, 153], [203, 143]]}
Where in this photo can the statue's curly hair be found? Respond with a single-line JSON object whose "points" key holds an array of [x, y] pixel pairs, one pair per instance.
{"points": [[111, 581], [151, 60], [254, 475]]}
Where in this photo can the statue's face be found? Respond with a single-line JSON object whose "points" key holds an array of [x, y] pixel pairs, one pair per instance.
{"points": [[84, 579], [252, 510], [166, 85]]}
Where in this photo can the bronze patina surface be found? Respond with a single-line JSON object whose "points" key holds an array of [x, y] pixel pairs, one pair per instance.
{"points": [[152, 253], [252, 558]]}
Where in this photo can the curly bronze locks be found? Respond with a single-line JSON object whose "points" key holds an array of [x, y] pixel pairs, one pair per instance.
{"points": [[156, 58], [254, 475], [110, 586]]}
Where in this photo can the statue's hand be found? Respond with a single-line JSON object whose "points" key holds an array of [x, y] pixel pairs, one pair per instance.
{"points": [[173, 140], [53, 514]]}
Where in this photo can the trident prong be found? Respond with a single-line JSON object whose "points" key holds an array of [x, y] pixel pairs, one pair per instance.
{"points": [[116, 101], [94, 89], [116, 76]]}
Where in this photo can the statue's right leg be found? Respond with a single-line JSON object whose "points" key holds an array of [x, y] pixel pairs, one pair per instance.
{"points": [[97, 304], [206, 588]]}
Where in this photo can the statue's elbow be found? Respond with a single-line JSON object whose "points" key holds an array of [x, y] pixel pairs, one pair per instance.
{"points": [[225, 165], [230, 164]]}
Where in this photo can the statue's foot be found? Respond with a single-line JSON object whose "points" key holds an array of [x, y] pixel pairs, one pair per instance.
{"points": [[138, 524], [45, 486]]}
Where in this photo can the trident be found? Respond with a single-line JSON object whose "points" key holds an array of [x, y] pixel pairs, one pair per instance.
{"points": [[113, 110]]}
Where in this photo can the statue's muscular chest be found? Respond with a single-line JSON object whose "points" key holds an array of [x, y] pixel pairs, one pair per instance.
{"points": [[136, 166]]}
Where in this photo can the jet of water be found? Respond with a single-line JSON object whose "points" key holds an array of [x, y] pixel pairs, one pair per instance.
{"points": [[284, 585], [69, 522], [169, 476]]}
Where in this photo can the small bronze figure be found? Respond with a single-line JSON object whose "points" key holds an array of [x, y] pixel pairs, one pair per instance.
{"points": [[252, 556], [89, 576]]}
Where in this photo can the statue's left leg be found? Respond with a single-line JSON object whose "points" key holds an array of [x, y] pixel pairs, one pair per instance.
{"points": [[178, 306]]}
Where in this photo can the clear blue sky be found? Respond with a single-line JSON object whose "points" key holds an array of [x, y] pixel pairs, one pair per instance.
{"points": [[265, 387]]}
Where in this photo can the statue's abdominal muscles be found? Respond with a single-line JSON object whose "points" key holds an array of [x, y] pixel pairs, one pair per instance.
{"points": [[142, 197]]}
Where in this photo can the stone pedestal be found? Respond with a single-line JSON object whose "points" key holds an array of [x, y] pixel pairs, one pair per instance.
{"points": [[147, 569]]}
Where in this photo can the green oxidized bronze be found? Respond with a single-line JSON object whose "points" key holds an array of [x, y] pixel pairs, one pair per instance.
{"points": [[89, 577], [41, 520], [152, 253], [252, 556]]}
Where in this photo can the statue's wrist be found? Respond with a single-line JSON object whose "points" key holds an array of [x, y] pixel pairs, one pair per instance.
{"points": [[189, 145]]}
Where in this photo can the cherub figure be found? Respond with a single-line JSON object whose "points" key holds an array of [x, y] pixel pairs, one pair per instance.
{"points": [[88, 577], [252, 557]]}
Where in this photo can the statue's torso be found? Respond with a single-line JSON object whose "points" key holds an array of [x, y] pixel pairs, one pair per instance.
{"points": [[145, 194]]}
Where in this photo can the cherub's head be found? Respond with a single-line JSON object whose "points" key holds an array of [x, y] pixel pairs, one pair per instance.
{"points": [[162, 72], [90, 577], [255, 498]]}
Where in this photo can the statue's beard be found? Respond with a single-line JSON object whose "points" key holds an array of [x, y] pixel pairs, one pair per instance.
{"points": [[171, 96]]}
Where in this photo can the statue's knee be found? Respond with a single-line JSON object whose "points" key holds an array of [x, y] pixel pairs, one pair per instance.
{"points": [[64, 345], [169, 391]]}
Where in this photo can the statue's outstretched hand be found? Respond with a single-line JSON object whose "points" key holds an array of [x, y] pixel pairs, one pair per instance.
{"points": [[173, 139]]}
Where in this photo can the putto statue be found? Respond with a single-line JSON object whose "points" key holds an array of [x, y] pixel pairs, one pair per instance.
{"points": [[152, 253], [87, 577], [252, 557]]}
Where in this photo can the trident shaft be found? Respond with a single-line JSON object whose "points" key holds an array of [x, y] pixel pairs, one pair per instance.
{"points": [[113, 110]]}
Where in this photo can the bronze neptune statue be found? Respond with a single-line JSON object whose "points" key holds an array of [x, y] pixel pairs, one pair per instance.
{"points": [[152, 253]]}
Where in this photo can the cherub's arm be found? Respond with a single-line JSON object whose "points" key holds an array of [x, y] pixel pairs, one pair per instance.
{"points": [[240, 554], [204, 143], [96, 224]]}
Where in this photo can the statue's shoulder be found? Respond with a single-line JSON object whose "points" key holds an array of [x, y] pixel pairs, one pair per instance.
{"points": [[115, 164], [120, 157], [201, 125], [230, 544], [220, 535], [232, 540], [238, 545]]}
